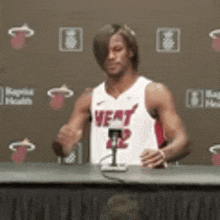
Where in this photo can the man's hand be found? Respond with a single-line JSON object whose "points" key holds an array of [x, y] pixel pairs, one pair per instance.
{"points": [[152, 158], [67, 137]]}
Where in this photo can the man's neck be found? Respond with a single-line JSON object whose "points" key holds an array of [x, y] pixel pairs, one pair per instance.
{"points": [[120, 85]]}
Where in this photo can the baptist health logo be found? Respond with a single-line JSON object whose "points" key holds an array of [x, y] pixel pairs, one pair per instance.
{"points": [[10, 96], [202, 98]]}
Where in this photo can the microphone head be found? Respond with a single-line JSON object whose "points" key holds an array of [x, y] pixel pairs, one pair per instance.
{"points": [[114, 132], [115, 128]]}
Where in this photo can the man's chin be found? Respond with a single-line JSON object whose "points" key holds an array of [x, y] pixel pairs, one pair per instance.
{"points": [[114, 74]]}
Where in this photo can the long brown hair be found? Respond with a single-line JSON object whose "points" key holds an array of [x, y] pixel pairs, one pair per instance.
{"points": [[101, 41]]}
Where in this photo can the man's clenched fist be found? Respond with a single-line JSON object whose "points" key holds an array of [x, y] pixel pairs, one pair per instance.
{"points": [[67, 137]]}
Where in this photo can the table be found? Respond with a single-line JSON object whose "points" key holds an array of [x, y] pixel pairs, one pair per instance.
{"points": [[61, 192]]}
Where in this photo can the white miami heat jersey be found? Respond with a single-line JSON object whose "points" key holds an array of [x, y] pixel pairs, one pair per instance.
{"points": [[138, 126]]}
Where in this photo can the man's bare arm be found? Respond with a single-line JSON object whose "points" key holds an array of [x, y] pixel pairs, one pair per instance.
{"points": [[72, 132], [160, 100], [173, 126], [81, 111]]}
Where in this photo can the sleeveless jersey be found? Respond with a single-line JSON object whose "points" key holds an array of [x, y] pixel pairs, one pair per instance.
{"points": [[140, 130]]}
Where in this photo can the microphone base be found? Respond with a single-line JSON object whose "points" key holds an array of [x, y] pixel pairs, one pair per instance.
{"points": [[109, 168]]}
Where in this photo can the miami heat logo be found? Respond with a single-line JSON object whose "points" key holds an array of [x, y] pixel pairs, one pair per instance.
{"points": [[103, 118], [19, 35], [57, 96], [21, 149], [216, 39], [215, 150]]}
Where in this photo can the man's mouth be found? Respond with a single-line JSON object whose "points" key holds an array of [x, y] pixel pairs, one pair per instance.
{"points": [[112, 66]]}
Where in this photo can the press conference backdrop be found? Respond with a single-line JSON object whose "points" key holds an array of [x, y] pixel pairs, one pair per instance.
{"points": [[175, 49]]}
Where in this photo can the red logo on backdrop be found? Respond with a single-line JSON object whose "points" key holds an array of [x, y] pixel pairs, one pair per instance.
{"points": [[20, 149], [215, 35], [20, 154], [216, 159], [19, 35], [56, 101], [215, 150], [57, 96]]}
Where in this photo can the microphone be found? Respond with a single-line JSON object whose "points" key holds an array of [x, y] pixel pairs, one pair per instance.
{"points": [[114, 132]]}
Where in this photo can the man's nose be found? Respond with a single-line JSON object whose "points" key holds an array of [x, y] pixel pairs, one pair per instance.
{"points": [[111, 55]]}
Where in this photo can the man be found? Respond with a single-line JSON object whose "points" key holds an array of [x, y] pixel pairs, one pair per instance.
{"points": [[138, 102]]}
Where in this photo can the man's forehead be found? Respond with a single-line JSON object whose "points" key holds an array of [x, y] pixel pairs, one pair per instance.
{"points": [[116, 39]]}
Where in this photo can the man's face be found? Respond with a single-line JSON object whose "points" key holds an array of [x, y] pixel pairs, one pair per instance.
{"points": [[117, 60]]}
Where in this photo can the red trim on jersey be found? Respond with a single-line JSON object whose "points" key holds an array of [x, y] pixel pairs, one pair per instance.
{"points": [[159, 132]]}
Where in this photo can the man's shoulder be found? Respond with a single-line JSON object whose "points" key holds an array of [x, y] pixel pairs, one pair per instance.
{"points": [[155, 94], [87, 91], [156, 89], [84, 100], [86, 96]]}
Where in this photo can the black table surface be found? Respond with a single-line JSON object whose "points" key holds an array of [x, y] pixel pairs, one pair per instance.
{"points": [[88, 173]]}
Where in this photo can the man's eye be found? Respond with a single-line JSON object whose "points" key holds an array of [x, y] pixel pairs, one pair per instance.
{"points": [[117, 49]]}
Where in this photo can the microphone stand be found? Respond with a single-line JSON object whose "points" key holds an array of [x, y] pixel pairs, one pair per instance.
{"points": [[114, 148], [114, 134]]}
